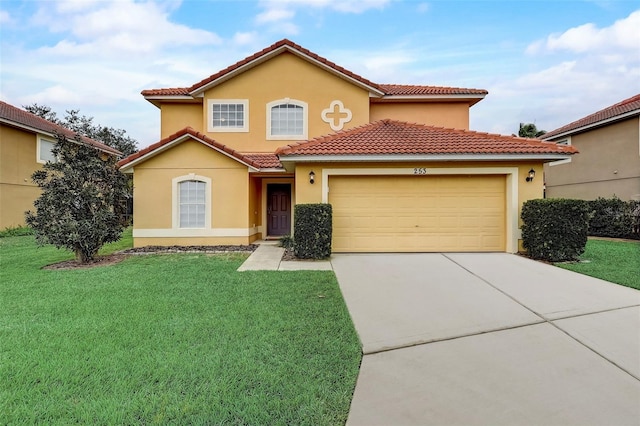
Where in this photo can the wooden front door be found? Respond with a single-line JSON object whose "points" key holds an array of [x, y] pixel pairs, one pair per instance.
{"points": [[278, 209]]}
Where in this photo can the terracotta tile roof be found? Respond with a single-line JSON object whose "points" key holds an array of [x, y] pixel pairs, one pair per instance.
{"points": [[287, 44], [258, 161], [409, 90], [386, 89], [389, 137], [604, 115], [171, 91], [266, 161], [21, 118]]}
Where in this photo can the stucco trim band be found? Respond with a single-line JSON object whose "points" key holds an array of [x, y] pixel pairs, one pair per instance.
{"points": [[195, 232]]}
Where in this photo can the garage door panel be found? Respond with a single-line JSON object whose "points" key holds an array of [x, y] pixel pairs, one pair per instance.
{"points": [[424, 213]]}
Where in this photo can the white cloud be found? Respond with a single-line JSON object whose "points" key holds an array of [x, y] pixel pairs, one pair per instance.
{"points": [[118, 28], [280, 13], [243, 38], [622, 34], [57, 94], [274, 15], [68, 6], [349, 6], [567, 76]]}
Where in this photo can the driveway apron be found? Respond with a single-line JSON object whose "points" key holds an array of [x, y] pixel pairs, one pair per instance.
{"points": [[489, 339]]}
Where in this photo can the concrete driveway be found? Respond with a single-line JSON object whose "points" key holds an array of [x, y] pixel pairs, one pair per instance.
{"points": [[489, 339]]}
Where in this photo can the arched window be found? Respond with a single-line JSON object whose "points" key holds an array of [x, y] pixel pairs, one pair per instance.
{"points": [[192, 202], [287, 120]]}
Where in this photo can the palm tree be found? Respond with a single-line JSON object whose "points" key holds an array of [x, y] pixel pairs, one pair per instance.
{"points": [[530, 130]]}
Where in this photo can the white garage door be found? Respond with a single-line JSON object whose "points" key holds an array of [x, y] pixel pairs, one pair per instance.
{"points": [[418, 213]]}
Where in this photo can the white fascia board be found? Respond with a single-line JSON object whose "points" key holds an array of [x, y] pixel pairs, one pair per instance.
{"points": [[592, 125], [274, 53], [126, 167], [408, 158]]}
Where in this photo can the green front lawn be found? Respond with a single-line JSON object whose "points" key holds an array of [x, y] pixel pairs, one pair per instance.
{"points": [[615, 261], [170, 339]]}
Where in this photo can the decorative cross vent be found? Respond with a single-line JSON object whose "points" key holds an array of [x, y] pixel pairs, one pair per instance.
{"points": [[336, 115]]}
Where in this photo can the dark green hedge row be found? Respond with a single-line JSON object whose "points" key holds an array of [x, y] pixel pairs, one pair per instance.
{"points": [[612, 217], [555, 229], [312, 231]]}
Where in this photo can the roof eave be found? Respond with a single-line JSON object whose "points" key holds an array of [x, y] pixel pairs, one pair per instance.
{"points": [[158, 99], [630, 114], [471, 99], [299, 158]]}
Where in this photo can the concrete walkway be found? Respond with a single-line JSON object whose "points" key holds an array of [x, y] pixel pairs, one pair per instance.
{"points": [[268, 257], [464, 339]]}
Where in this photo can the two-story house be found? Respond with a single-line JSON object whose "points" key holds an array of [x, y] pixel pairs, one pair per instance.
{"points": [[609, 160], [284, 126], [26, 141]]}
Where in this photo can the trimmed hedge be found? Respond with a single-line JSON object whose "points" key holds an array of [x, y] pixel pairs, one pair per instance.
{"points": [[312, 230], [614, 218], [555, 229]]}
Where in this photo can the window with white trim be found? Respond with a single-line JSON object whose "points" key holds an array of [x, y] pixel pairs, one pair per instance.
{"points": [[191, 202], [287, 120], [228, 115], [44, 150]]}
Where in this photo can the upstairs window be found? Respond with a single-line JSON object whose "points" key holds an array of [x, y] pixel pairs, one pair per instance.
{"points": [[44, 151], [228, 115], [287, 120]]}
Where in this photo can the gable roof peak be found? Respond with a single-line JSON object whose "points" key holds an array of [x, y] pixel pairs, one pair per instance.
{"points": [[254, 161], [274, 50]]}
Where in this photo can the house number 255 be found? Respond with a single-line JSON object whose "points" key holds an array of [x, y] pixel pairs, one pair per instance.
{"points": [[420, 171]]}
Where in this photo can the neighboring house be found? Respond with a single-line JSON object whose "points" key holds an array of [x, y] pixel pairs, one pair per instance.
{"points": [[26, 141], [609, 160], [285, 126]]}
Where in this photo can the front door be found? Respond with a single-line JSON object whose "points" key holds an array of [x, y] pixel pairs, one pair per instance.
{"points": [[278, 209]]}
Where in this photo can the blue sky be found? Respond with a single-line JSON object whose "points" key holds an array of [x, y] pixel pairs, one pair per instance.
{"points": [[548, 62]]}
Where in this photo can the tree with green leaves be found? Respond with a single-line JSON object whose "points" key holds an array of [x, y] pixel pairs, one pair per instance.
{"points": [[530, 130], [81, 206], [83, 125]]}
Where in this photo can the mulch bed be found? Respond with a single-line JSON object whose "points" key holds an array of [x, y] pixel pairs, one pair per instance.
{"points": [[190, 249], [112, 259]]}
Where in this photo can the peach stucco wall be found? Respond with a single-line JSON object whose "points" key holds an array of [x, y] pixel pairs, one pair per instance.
{"points": [[286, 76], [18, 162], [153, 196], [177, 116], [440, 114]]}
